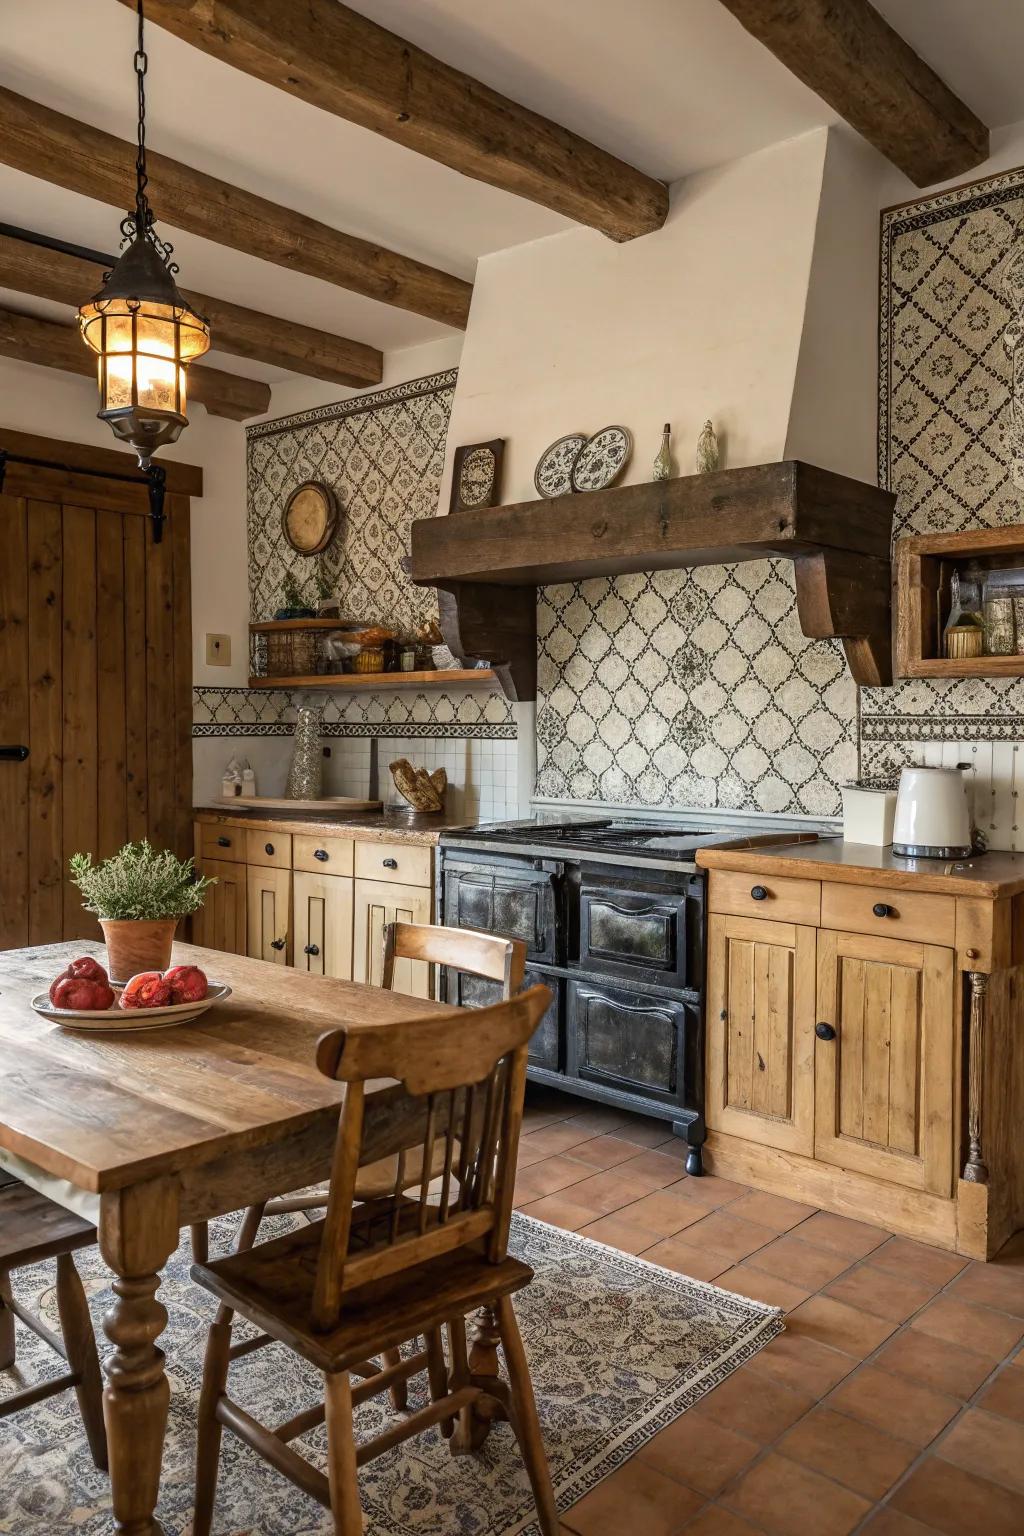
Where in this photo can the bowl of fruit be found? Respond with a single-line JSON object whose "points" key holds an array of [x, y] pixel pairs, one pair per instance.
{"points": [[83, 997]]}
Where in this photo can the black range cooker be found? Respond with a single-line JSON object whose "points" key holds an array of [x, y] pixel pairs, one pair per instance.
{"points": [[612, 915]]}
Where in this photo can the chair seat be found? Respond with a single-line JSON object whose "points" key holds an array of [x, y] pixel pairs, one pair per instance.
{"points": [[272, 1285], [33, 1228]]}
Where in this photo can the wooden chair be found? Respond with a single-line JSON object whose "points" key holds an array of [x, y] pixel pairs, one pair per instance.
{"points": [[32, 1229], [372, 1276]]}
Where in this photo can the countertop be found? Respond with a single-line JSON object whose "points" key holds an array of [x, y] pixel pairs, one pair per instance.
{"points": [[990, 875], [361, 826]]}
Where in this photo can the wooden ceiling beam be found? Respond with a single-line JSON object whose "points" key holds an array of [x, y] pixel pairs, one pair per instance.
{"points": [[850, 56], [31, 340], [59, 149], [343, 62], [66, 279]]}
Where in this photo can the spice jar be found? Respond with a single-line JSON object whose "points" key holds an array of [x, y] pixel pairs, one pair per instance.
{"points": [[370, 659], [1000, 634]]}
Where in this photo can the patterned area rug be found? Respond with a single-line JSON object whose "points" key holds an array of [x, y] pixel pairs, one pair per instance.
{"points": [[618, 1348]]}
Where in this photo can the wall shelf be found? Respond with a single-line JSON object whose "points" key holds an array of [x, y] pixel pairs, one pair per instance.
{"points": [[280, 626], [924, 567], [384, 682], [837, 531]]}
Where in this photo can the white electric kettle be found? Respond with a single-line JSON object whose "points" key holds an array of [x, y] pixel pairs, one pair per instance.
{"points": [[933, 814]]}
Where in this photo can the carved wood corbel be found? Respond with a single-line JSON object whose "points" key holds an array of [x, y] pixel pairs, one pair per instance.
{"points": [[497, 625], [842, 596]]}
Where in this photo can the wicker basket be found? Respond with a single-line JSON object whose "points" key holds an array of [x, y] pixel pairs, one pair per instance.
{"points": [[291, 653]]}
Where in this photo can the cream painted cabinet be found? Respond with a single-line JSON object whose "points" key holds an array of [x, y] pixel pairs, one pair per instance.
{"points": [[268, 893], [760, 1007], [378, 902], [220, 922], [884, 1079], [322, 927]]}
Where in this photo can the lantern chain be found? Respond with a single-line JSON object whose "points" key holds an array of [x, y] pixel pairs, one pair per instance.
{"points": [[141, 222]]}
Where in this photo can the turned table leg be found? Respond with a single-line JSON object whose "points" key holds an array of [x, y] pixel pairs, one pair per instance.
{"points": [[976, 1169], [138, 1231]]}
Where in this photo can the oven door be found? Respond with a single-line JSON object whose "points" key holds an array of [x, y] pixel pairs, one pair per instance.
{"points": [[641, 927], [635, 1042], [547, 1043], [519, 899]]}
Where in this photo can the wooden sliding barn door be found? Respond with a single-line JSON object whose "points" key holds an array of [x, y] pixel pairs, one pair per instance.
{"points": [[95, 680]]}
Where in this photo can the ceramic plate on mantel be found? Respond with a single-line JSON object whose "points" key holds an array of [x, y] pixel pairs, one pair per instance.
{"points": [[553, 475], [602, 461], [124, 1020]]}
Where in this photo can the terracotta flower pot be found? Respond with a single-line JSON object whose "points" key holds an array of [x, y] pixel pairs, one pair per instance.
{"points": [[134, 946]]}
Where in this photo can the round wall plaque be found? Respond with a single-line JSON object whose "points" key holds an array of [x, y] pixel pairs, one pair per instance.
{"points": [[310, 517]]}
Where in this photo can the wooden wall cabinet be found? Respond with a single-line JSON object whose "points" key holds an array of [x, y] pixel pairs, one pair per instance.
{"points": [[268, 902], [378, 902], [221, 921], [323, 924]]}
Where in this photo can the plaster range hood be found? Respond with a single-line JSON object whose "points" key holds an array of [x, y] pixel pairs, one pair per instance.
{"points": [[836, 530]]}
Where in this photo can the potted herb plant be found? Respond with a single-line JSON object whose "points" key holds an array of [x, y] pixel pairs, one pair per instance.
{"points": [[138, 894]]}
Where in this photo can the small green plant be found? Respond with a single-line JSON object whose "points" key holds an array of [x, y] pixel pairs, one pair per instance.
{"points": [[138, 883], [291, 592], [324, 582]]}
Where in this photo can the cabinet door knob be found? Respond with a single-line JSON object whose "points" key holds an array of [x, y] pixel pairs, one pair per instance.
{"points": [[277, 943], [759, 893], [390, 863], [311, 949], [824, 1031], [223, 842], [321, 854], [882, 909], [268, 847]]}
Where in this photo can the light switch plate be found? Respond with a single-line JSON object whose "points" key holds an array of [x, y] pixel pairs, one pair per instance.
{"points": [[218, 650]]}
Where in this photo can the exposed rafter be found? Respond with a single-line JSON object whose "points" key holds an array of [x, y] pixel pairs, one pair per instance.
{"points": [[850, 56], [59, 149], [345, 63], [31, 340]]}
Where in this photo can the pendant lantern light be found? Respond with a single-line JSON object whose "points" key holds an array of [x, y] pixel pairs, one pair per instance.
{"points": [[142, 329]]}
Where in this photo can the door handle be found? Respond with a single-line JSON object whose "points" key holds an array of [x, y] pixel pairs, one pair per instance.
{"points": [[390, 863], [277, 943], [13, 754], [268, 848], [223, 842], [824, 1031], [758, 893], [321, 854], [311, 949], [882, 909]]}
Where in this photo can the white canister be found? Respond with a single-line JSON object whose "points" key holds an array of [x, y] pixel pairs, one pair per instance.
{"points": [[868, 815], [933, 815]]}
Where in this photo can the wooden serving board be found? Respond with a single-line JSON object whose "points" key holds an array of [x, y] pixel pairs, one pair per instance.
{"points": [[335, 803]]}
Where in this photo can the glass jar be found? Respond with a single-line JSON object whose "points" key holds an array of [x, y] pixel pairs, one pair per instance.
{"points": [[1000, 632], [369, 659]]}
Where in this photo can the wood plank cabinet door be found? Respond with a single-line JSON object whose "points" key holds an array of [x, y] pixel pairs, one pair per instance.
{"points": [[378, 902], [322, 930], [760, 1031], [220, 922], [268, 899], [884, 1084]]}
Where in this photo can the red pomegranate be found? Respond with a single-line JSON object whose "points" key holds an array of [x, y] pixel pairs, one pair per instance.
{"points": [[188, 983], [85, 968], [146, 990], [82, 994]]}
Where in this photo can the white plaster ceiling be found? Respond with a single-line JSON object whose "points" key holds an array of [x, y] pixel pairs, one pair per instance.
{"points": [[670, 85]]}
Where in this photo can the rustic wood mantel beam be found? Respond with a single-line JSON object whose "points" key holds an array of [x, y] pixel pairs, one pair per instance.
{"points": [[850, 56], [59, 149], [29, 268], [347, 64], [31, 340]]}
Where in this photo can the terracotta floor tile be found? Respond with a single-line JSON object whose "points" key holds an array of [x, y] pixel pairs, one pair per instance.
{"points": [[847, 1328], [857, 1455], [957, 1503], [803, 1364], [716, 1520], [745, 1280], [756, 1406], [604, 1151], [641, 1131], [687, 1259], [987, 1446], [729, 1234], [793, 1260], [1012, 1252], [895, 1404], [773, 1211], [944, 1367], [604, 1192], [599, 1119], [560, 1210], [634, 1498], [555, 1138], [618, 1231], [711, 1191], [841, 1235], [656, 1168], [700, 1453], [545, 1177], [1005, 1395], [979, 1329], [881, 1292], [889, 1522], [785, 1498], [902, 1256], [991, 1285], [665, 1212]]}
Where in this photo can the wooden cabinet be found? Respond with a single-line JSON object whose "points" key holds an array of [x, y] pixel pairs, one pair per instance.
{"points": [[268, 898], [322, 928], [884, 1081], [220, 922], [761, 1013], [378, 902]]}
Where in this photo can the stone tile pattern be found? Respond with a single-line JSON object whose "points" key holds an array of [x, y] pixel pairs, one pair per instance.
{"points": [[894, 1402], [271, 712]]}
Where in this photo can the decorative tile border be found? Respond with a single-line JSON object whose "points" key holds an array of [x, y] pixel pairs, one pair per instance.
{"points": [[271, 712], [393, 395]]}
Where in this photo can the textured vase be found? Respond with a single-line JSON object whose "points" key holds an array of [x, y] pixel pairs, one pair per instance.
{"points": [[306, 774], [134, 946]]}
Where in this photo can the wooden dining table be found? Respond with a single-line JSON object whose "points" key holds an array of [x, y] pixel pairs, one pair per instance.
{"points": [[149, 1132]]}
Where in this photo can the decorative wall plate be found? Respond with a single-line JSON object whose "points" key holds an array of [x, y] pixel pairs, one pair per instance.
{"points": [[553, 475], [603, 459], [476, 475], [310, 517]]}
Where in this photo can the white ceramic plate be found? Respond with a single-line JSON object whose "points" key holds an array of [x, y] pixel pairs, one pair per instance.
{"points": [[603, 459], [553, 475], [107, 1020]]}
